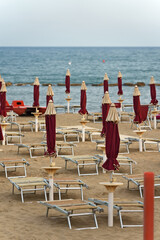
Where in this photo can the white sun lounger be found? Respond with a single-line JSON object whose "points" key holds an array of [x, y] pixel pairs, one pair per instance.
{"points": [[82, 161], [67, 133], [22, 125], [122, 206], [32, 147], [68, 206], [14, 164], [151, 141], [29, 184], [138, 180], [69, 184], [13, 135]]}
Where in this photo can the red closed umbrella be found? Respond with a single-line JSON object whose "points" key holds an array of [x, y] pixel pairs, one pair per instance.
{"points": [[106, 101], [36, 93], [3, 100], [50, 119], [1, 134], [154, 101], [112, 139], [50, 95], [67, 82], [1, 82], [137, 105], [120, 92], [105, 83], [83, 102]]}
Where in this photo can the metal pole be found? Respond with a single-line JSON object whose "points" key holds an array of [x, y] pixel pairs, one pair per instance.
{"points": [[110, 209], [36, 123]]}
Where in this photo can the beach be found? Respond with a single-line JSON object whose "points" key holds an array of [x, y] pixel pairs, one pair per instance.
{"points": [[28, 221]]}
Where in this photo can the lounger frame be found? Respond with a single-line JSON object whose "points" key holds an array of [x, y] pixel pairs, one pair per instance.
{"points": [[14, 164], [34, 185], [119, 207], [73, 205]]}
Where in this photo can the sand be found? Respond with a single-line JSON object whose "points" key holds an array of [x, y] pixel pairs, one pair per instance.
{"points": [[27, 221]]}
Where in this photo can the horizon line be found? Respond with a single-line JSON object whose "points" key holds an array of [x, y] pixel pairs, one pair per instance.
{"points": [[85, 46]]}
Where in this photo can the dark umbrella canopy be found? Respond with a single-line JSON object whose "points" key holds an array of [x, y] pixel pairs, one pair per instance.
{"points": [[120, 91], [50, 118], [1, 134], [3, 100], [1, 81], [36, 93], [105, 109], [83, 100], [137, 105], [105, 83], [112, 139], [50, 95], [154, 101], [67, 82]]}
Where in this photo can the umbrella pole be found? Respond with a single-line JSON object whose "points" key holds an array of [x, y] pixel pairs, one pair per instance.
{"points": [[50, 161]]}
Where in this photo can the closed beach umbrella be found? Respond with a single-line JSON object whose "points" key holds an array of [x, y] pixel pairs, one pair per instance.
{"points": [[106, 101], [1, 80], [50, 95], [3, 100], [36, 93], [50, 119], [105, 83], [120, 92], [137, 105], [154, 101], [83, 102], [67, 81], [112, 139], [1, 134]]}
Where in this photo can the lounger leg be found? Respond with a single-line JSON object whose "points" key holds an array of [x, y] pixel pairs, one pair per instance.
{"points": [[45, 193], [72, 151], [6, 172], [30, 152], [47, 212], [69, 222], [97, 168], [140, 190], [12, 188], [59, 193], [35, 190], [95, 220], [82, 193], [78, 170], [22, 198], [120, 218], [130, 166], [65, 164], [25, 171]]}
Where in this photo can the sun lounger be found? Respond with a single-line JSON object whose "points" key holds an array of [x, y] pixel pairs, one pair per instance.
{"points": [[151, 141], [22, 125], [138, 180], [74, 107], [82, 161], [122, 206], [96, 116], [69, 184], [123, 161], [64, 145], [68, 206], [14, 164], [29, 184], [126, 117], [68, 133], [13, 135], [32, 147], [41, 124]]}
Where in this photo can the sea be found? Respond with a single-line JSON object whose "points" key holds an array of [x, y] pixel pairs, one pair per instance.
{"points": [[89, 64]]}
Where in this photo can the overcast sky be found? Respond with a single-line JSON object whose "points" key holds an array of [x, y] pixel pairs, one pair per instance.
{"points": [[79, 22]]}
